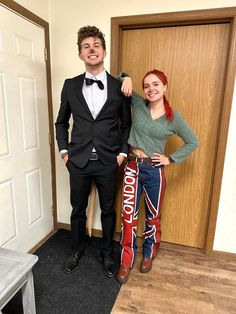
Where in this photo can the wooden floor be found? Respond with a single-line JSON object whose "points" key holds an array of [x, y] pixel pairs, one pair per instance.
{"points": [[183, 280]]}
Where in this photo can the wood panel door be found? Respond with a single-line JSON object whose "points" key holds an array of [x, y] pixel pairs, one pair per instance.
{"points": [[194, 58]]}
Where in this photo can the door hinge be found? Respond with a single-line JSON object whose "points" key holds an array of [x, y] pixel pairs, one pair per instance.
{"points": [[49, 138], [53, 211], [45, 54]]}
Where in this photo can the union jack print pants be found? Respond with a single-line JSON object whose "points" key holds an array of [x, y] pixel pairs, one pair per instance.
{"points": [[138, 178]]}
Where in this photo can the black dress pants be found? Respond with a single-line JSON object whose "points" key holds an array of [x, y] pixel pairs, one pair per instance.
{"points": [[105, 177]]}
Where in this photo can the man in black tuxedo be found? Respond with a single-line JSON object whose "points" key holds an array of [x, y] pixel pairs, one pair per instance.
{"points": [[98, 145]]}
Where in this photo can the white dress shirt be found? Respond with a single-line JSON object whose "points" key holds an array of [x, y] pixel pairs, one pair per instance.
{"points": [[94, 96]]}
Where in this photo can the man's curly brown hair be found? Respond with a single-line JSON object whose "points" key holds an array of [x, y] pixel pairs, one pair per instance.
{"points": [[90, 31]]}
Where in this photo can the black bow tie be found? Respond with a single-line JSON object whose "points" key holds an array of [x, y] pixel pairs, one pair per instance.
{"points": [[91, 81]]}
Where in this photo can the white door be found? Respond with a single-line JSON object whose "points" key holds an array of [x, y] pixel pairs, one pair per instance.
{"points": [[25, 170]]}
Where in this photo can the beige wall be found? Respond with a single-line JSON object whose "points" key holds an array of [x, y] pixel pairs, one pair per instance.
{"points": [[65, 18], [225, 236]]}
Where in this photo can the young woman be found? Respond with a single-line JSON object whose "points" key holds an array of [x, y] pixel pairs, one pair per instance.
{"points": [[153, 122]]}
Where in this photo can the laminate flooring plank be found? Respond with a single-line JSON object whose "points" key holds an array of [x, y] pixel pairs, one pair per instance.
{"points": [[183, 280]]}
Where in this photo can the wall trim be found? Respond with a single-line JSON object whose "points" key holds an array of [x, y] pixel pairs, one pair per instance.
{"points": [[98, 233], [95, 232], [41, 242], [225, 255]]}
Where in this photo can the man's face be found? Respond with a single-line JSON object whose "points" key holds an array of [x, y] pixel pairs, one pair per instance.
{"points": [[92, 52]]}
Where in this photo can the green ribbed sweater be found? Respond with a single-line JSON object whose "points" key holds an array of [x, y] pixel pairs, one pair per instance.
{"points": [[151, 135]]}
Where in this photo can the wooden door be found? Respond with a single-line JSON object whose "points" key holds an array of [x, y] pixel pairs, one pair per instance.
{"points": [[194, 60], [25, 165]]}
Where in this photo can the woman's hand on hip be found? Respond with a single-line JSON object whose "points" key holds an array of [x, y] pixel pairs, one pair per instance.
{"points": [[160, 159]]}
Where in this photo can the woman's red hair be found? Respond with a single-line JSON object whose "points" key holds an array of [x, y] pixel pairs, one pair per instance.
{"points": [[161, 75]]}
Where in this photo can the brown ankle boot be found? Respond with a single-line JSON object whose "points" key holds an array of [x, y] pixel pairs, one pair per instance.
{"points": [[123, 274], [146, 264]]}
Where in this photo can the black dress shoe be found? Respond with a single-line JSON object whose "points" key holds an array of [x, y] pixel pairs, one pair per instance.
{"points": [[72, 261], [109, 266]]}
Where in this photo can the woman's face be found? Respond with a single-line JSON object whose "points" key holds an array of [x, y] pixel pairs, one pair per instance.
{"points": [[153, 88]]}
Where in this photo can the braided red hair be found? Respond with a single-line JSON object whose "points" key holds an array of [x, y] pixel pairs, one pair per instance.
{"points": [[161, 75]]}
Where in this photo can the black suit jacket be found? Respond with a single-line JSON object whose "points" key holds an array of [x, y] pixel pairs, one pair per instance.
{"points": [[108, 133]]}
